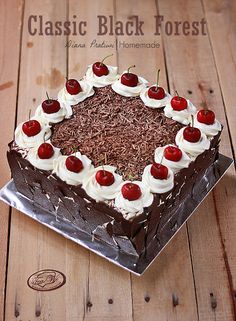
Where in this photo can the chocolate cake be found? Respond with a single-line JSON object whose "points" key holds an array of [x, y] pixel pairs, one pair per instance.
{"points": [[115, 157]]}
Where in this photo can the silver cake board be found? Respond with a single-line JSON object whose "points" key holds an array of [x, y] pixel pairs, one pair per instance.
{"points": [[130, 262]]}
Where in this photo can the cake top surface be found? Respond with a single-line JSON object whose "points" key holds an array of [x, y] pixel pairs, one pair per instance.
{"points": [[118, 137], [115, 130]]}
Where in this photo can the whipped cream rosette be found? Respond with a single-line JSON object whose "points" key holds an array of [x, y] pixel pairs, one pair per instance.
{"points": [[135, 207], [156, 185], [154, 103], [99, 192], [193, 149], [44, 164], [210, 130], [175, 166], [86, 91], [25, 141], [128, 91], [65, 111], [181, 116], [70, 177], [104, 80]]}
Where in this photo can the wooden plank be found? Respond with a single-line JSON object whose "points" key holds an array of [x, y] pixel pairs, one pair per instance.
{"points": [[10, 31], [166, 291], [171, 274], [191, 68], [32, 246], [221, 27], [114, 284]]}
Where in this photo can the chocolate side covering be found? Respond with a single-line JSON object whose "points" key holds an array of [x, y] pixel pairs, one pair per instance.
{"points": [[136, 237]]}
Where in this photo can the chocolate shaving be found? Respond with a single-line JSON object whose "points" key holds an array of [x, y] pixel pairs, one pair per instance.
{"points": [[121, 130]]}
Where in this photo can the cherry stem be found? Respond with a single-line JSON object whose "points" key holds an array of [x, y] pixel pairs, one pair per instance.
{"points": [[192, 120], [130, 176], [158, 73], [105, 58], [29, 114], [48, 97], [177, 93], [74, 149], [66, 78], [130, 68]]}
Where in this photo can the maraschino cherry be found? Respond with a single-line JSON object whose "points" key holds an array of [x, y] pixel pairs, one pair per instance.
{"points": [[74, 164], [206, 117], [50, 106], [45, 151], [159, 171], [192, 134], [129, 79], [73, 86], [131, 191], [173, 153], [104, 178], [156, 92], [31, 127], [100, 69], [178, 103]]}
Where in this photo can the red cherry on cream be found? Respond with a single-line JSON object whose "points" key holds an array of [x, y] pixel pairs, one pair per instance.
{"points": [[173, 153], [73, 87], [156, 92], [129, 79], [100, 69], [206, 117], [131, 191], [45, 151], [74, 164], [104, 178], [50, 106], [178, 103], [159, 171], [31, 128], [192, 134]]}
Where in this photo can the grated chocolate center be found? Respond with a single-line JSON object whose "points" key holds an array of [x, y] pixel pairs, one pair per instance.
{"points": [[115, 130]]}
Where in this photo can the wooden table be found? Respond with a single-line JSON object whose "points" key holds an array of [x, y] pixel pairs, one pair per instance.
{"points": [[195, 276]]}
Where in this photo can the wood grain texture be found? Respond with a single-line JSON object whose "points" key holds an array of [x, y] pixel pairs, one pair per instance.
{"points": [[221, 29], [34, 247], [10, 33], [220, 16], [214, 221]]}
